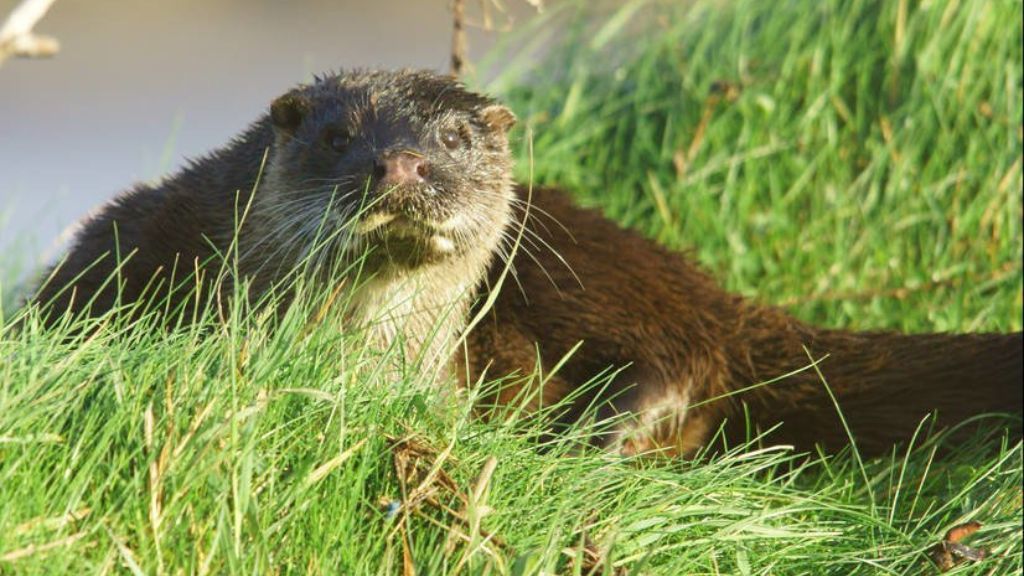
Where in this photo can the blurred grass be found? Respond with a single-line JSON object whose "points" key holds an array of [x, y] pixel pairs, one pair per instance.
{"points": [[862, 164], [860, 161]]}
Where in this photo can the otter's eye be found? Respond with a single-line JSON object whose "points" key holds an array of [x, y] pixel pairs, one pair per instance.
{"points": [[338, 140], [451, 139]]}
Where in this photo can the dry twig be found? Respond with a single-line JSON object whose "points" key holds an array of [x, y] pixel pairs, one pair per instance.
{"points": [[459, 43], [16, 36], [422, 479]]}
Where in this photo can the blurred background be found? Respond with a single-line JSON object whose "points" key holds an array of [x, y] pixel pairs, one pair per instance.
{"points": [[139, 86]]}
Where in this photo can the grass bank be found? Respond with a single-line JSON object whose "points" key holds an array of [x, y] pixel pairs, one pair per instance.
{"points": [[858, 162]]}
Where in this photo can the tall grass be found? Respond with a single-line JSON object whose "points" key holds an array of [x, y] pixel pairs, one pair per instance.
{"points": [[857, 161]]}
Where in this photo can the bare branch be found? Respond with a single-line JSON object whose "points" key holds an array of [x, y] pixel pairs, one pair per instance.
{"points": [[16, 36], [459, 42]]}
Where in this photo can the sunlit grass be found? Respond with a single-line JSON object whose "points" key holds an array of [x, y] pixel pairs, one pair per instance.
{"points": [[858, 162]]}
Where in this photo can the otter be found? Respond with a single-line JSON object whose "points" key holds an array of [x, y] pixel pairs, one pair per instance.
{"points": [[409, 174]]}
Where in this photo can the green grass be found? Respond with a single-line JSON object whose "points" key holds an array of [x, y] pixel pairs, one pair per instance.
{"points": [[864, 169]]}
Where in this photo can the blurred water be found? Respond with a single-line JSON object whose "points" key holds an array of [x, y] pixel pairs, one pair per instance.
{"points": [[138, 86]]}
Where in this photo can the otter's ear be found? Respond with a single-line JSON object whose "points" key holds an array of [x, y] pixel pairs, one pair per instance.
{"points": [[287, 112], [498, 118]]}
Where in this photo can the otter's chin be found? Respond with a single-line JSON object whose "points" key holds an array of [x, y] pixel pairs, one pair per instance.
{"points": [[402, 243]]}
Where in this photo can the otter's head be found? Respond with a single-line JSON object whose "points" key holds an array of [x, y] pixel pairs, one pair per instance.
{"points": [[408, 167]]}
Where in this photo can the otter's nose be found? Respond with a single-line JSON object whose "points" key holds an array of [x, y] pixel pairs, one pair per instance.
{"points": [[405, 167]]}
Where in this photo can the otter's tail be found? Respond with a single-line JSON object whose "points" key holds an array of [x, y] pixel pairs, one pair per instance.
{"points": [[885, 384]]}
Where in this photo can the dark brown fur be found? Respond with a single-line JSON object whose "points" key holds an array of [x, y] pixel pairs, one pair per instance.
{"points": [[159, 234], [686, 350], [684, 340]]}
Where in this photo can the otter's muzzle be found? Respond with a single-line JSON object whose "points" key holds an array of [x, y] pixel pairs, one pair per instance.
{"points": [[401, 168]]}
